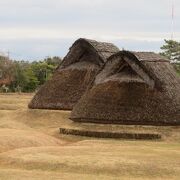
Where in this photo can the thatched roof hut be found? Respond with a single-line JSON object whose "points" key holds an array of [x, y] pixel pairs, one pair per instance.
{"points": [[77, 70], [133, 88]]}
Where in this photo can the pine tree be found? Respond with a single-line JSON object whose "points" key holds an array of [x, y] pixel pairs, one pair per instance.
{"points": [[171, 49]]}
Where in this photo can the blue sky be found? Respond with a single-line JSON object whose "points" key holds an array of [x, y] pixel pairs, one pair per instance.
{"points": [[34, 29]]}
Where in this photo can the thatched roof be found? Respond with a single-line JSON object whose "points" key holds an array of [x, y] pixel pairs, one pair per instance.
{"points": [[103, 51], [72, 77], [132, 88]]}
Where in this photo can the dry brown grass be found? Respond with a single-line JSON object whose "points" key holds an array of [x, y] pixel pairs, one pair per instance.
{"points": [[32, 148], [13, 139]]}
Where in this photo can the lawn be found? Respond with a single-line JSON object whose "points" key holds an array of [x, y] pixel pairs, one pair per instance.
{"points": [[32, 148]]}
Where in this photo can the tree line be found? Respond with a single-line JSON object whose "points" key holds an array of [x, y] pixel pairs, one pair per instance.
{"points": [[25, 76]]}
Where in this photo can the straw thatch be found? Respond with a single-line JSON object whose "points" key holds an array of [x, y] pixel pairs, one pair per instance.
{"points": [[133, 88], [109, 134], [77, 70]]}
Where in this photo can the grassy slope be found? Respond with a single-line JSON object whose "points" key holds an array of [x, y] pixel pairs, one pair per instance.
{"points": [[31, 148]]}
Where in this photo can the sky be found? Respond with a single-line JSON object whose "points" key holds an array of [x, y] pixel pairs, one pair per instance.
{"points": [[34, 29]]}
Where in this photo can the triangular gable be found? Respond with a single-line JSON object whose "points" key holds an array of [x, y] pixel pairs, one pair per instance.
{"points": [[117, 62], [135, 65]]}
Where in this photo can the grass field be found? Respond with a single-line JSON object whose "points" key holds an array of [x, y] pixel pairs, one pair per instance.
{"points": [[32, 148]]}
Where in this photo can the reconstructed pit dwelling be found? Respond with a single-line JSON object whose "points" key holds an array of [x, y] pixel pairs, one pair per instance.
{"points": [[71, 79], [133, 88]]}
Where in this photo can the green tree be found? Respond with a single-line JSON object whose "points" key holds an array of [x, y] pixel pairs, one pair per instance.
{"points": [[31, 81], [171, 49], [19, 75], [25, 79], [42, 70]]}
